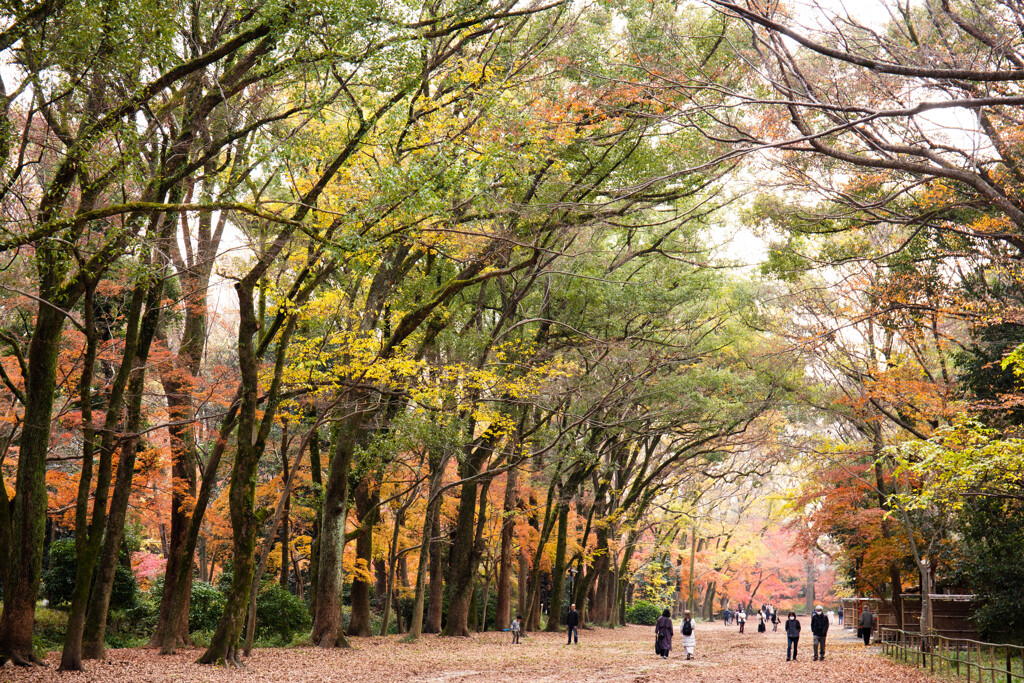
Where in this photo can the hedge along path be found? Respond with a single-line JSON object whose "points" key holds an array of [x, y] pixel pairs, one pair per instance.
{"points": [[624, 654]]}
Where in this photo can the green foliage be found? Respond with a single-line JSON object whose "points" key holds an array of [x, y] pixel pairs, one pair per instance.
{"points": [[50, 627], [643, 613], [992, 535], [59, 579], [279, 613], [205, 607]]}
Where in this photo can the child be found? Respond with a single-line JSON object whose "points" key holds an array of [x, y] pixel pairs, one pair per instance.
{"points": [[515, 630]]}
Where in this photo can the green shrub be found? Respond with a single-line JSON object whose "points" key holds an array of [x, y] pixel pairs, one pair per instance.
{"points": [[205, 606], [643, 613], [279, 613], [59, 579], [49, 630], [125, 591]]}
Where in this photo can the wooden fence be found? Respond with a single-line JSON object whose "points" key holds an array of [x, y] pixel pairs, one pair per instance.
{"points": [[962, 657]]}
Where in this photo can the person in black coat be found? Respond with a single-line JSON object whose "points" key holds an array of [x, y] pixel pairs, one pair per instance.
{"points": [[572, 624], [819, 629], [792, 636]]}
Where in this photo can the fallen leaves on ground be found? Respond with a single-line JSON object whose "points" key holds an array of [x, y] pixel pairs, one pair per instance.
{"points": [[622, 654]]}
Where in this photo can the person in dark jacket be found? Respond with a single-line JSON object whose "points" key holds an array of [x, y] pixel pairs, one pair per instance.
{"points": [[663, 633], [792, 636], [819, 629], [572, 623], [866, 623]]}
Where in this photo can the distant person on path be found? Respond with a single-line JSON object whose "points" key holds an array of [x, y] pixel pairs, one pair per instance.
{"points": [[741, 619], [726, 614], [760, 623], [867, 622], [663, 634], [792, 636], [775, 620], [515, 630], [689, 640], [819, 629], [840, 615], [572, 623]]}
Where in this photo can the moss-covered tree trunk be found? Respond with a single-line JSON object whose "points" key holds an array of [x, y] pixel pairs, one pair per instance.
{"points": [[28, 523], [327, 625], [223, 647], [503, 613], [558, 572]]}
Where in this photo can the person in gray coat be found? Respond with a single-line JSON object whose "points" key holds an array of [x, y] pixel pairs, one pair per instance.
{"points": [[866, 623]]}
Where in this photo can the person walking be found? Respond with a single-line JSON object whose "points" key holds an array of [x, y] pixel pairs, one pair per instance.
{"points": [[840, 615], [741, 618], [689, 639], [663, 634], [792, 636], [819, 629], [572, 624], [775, 620], [726, 614], [515, 628], [866, 623], [760, 623]]}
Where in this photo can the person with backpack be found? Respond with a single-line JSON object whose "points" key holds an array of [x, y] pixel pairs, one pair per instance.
{"points": [[689, 640], [663, 634], [819, 629], [792, 636]]}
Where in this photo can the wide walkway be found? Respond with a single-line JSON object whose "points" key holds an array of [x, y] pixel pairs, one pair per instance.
{"points": [[626, 654]]}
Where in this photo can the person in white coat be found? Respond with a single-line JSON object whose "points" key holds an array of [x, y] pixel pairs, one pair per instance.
{"points": [[686, 630]]}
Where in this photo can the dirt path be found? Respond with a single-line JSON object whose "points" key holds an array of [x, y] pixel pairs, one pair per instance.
{"points": [[627, 654]]}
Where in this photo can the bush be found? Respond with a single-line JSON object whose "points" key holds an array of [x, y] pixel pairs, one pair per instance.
{"points": [[50, 627], [643, 613], [59, 579], [205, 606], [280, 613]]}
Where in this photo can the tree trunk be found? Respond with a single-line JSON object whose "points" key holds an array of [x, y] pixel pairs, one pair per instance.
{"points": [[366, 498], [28, 528], [430, 518], [436, 600], [503, 612], [460, 578], [285, 537], [250, 445], [99, 602], [558, 572], [327, 626]]}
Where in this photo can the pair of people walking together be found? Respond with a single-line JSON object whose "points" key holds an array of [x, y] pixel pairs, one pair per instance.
{"points": [[663, 633], [819, 631]]}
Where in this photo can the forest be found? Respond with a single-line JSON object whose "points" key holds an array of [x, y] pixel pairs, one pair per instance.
{"points": [[336, 319]]}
